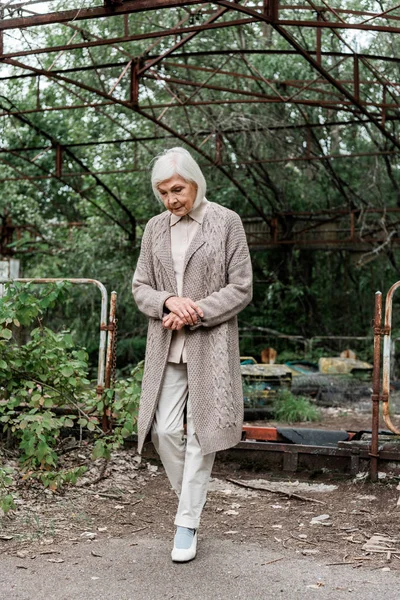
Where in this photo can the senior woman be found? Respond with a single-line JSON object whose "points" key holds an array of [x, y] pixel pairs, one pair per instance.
{"points": [[192, 278]]}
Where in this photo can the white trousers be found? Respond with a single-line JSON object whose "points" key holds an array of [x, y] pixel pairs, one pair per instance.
{"points": [[187, 469]]}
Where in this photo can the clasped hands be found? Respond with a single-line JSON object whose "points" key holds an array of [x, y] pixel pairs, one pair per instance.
{"points": [[183, 311]]}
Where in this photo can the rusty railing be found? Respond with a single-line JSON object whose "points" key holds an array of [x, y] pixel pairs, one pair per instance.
{"points": [[384, 395]]}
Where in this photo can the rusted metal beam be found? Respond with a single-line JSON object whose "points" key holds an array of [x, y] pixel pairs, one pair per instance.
{"points": [[271, 9], [174, 31], [83, 14], [134, 88], [145, 5], [59, 154], [297, 7], [235, 91], [302, 84], [318, 42], [336, 25], [111, 360]]}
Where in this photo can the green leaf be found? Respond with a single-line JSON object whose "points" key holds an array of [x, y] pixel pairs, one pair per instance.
{"points": [[6, 334], [67, 371], [69, 342]]}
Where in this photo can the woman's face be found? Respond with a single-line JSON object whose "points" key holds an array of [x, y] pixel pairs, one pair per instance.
{"points": [[178, 195]]}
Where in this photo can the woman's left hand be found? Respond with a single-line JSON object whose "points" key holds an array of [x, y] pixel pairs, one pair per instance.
{"points": [[172, 321]]}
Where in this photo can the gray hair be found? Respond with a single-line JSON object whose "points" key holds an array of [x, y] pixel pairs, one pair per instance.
{"points": [[178, 161]]}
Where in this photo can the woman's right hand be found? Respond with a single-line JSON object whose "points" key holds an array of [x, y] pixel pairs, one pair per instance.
{"points": [[185, 309], [173, 322]]}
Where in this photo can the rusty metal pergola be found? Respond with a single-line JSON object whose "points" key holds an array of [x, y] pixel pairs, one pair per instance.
{"points": [[167, 64]]}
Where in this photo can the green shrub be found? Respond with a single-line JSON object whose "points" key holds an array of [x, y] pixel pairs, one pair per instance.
{"points": [[289, 408], [46, 372]]}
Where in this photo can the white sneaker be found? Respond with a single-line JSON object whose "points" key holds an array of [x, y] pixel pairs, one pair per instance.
{"points": [[187, 554]]}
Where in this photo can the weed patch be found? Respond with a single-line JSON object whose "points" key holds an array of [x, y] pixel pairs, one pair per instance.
{"points": [[289, 408]]}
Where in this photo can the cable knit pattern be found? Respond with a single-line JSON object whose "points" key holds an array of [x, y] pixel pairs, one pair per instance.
{"points": [[218, 276]]}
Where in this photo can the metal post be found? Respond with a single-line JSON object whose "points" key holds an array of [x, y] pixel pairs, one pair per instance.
{"points": [[384, 105], [134, 96], [271, 9], [110, 358], [319, 40], [374, 452], [126, 25]]}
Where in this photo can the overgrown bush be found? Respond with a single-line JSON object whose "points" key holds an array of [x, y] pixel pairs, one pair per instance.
{"points": [[40, 372]]}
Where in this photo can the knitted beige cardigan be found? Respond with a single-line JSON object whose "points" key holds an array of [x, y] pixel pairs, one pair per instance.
{"points": [[218, 276]]}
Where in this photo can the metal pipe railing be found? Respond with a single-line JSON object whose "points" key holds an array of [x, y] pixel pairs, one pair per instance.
{"points": [[386, 358], [383, 395], [376, 384]]}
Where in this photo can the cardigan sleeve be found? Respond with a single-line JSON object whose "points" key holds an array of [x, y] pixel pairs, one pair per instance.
{"points": [[149, 300], [227, 302]]}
